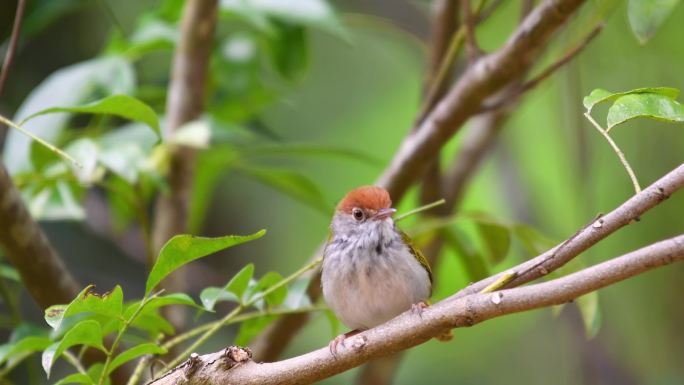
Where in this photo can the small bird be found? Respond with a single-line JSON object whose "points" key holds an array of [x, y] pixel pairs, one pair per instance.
{"points": [[371, 272]]}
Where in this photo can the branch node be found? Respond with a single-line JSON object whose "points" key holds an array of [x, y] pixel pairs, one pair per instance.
{"points": [[359, 343], [234, 355], [191, 366], [496, 297], [598, 223]]}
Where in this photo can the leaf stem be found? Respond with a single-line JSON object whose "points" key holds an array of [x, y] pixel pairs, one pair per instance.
{"points": [[41, 141], [419, 209], [75, 361], [230, 317], [115, 344], [618, 152]]}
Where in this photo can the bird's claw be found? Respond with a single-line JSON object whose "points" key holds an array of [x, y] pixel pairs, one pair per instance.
{"points": [[340, 340], [417, 308]]}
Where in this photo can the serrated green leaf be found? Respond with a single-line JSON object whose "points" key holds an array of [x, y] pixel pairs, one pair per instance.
{"points": [[86, 333], [134, 352], [600, 95], [646, 16], [182, 249], [652, 106], [109, 304], [251, 328], [590, 310], [291, 183], [76, 378], [123, 106]]}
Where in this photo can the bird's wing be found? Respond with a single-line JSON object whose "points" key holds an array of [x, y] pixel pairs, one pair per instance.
{"points": [[416, 253]]}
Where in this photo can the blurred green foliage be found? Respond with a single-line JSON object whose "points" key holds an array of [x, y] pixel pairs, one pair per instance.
{"points": [[305, 102]]}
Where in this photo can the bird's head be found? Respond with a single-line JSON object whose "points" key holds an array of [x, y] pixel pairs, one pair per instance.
{"points": [[363, 208]]}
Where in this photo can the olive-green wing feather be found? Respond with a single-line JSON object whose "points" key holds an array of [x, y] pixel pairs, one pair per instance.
{"points": [[416, 253]]}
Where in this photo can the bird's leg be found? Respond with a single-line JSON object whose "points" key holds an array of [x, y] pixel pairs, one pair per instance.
{"points": [[417, 308], [340, 340]]}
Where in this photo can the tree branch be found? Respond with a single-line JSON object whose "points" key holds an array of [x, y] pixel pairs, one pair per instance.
{"points": [[591, 234], [29, 251], [9, 55], [185, 103], [408, 330], [485, 77]]}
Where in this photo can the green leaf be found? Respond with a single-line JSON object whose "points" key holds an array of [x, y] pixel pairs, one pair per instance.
{"points": [[9, 272], [76, 378], [251, 328], [291, 183], [86, 333], [496, 240], [123, 106], [109, 305], [474, 263], [647, 16], [238, 284], [233, 291], [533, 241], [588, 305], [56, 202], [600, 95], [153, 323], [333, 321], [270, 279], [307, 149], [161, 301], [210, 296], [289, 51], [86, 152], [26, 345], [182, 249], [111, 74], [134, 352], [652, 106], [314, 13]]}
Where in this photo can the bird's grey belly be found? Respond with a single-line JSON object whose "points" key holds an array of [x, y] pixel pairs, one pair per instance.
{"points": [[372, 290]]}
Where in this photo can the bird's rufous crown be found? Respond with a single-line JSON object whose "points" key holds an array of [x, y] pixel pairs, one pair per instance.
{"points": [[366, 197]]}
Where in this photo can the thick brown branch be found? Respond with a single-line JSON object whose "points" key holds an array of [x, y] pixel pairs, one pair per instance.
{"points": [[185, 103], [409, 330], [29, 251], [482, 79]]}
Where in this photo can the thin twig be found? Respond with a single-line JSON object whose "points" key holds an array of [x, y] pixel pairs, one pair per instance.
{"points": [[419, 209], [14, 40], [618, 152], [469, 24], [41, 141]]}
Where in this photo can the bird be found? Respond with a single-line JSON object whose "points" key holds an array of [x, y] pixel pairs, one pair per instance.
{"points": [[371, 272]]}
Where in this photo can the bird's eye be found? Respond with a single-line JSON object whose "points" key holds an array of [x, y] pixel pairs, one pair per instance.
{"points": [[358, 214]]}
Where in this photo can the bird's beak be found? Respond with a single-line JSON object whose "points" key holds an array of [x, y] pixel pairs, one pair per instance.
{"points": [[384, 213]]}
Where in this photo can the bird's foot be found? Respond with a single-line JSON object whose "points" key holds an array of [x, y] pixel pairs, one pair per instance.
{"points": [[417, 308], [339, 340]]}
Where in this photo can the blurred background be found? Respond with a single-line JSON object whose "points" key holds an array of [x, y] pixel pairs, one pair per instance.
{"points": [[308, 103]]}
